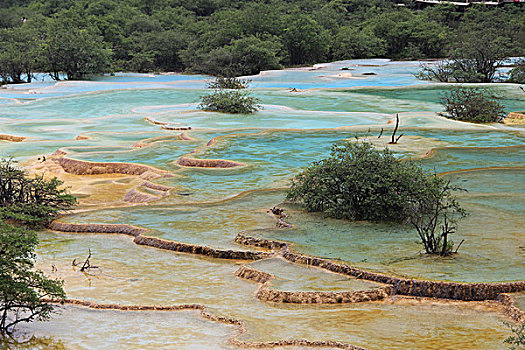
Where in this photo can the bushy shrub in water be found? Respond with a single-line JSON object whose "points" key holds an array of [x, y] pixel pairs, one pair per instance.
{"points": [[475, 105], [359, 182], [229, 101], [228, 83], [227, 97]]}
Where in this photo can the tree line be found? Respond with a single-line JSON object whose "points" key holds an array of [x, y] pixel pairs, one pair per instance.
{"points": [[77, 38]]}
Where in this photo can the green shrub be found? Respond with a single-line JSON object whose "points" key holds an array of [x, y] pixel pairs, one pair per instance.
{"points": [[438, 71], [31, 201], [475, 105], [517, 74], [359, 182], [234, 102], [227, 98], [228, 83]]}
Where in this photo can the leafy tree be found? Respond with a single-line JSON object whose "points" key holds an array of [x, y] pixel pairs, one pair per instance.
{"points": [[358, 182], [475, 105], [478, 57], [434, 215], [257, 18], [245, 56], [75, 52], [441, 71], [239, 37], [351, 42], [17, 54], [26, 202], [21, 288], [228, 83], [142, 62], [408, 35], [253, 54], [166, 47], [304, 39], [517, 74], [32, 201], [517, 340]]}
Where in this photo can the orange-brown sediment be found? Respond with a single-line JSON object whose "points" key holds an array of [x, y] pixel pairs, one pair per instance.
{"points": [[11, 138], [79, 167], [97, 228], [403, 286], [266, 293], [207, 163]]}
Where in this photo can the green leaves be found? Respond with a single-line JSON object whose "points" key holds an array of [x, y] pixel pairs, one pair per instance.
{"points": [[477, 105], [517, 340], [304, 39], [22, 288], [26, 202], [228, 97], [30, 201], [229, 101], [359, 182], [76, 52], [219, 37]]}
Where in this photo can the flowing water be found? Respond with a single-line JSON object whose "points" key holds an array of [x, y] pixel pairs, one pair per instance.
{"points": [[120, 119]]}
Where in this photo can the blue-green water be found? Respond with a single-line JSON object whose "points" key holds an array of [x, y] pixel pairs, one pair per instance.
{"points": [[106, 120]]}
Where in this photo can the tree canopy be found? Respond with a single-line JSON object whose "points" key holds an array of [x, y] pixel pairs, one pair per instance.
{"points": [[219, 37]]}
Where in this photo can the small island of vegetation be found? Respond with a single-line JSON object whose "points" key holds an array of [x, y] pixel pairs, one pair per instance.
{"points": [[359, 182], [477, 105], [228, 96]]}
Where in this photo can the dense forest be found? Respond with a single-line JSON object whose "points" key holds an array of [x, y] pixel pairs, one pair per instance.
{"points": [[76, 38]]}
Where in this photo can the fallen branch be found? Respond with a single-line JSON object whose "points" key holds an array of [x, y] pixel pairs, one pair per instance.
{"points": [[86, 264]]}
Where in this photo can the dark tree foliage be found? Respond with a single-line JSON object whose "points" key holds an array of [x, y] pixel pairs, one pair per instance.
{"points": [[304, 39], [359, 182], [478, 56], [17, 55], [32, 201], [75, 52], [475, 105], [517, 74], [26, 203], [21, 287], [475, 59], [77, 38], [442, 71]]}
